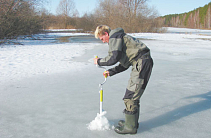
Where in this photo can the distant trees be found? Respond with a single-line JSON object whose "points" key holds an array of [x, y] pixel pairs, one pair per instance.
{"points": [[21, 17], [198, 18], [67, 9], [132, 15], [17, 17], [87, 22]]}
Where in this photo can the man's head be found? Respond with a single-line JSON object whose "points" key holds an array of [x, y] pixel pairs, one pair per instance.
{"points": [[102, 32]]}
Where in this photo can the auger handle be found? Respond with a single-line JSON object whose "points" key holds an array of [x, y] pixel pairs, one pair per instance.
{"points": [[106, 75]]}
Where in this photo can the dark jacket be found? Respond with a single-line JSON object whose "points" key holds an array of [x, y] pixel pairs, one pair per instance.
{"points": [[124, 49]]}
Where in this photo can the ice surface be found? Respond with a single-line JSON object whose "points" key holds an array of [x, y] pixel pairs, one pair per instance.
{"points": [[50, 90]]}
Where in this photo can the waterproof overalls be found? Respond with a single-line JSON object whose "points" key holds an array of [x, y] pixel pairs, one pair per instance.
{"points": [[129, 51]]}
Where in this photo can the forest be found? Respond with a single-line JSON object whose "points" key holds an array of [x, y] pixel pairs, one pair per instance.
{"points": [[199, 18], [26, 17]]}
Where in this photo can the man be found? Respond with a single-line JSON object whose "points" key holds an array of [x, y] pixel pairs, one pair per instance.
{"points": [[128, 51]]}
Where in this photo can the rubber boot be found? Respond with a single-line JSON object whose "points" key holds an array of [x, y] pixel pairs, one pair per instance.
{"points": [[129, 126], [122, 122]]}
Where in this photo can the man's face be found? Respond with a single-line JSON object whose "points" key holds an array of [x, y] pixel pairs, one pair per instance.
{"points": [[104, 38]]}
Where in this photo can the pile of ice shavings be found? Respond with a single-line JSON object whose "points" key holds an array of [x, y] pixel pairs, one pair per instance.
{"points": [[100, 123]]}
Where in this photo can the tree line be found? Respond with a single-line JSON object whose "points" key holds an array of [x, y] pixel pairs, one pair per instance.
{"points": [[132, 15], [199, 18], [21, 17], [18, 17]]}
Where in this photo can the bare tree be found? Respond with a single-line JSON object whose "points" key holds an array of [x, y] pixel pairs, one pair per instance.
{"points": [[67, 9], [17, 17], [132, 9], [132, 15]]}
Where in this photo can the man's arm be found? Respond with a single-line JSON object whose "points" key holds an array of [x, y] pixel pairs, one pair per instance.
{"points": [[116, 70]]}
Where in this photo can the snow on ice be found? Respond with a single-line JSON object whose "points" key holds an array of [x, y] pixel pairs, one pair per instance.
{"points": [[50, 89]]}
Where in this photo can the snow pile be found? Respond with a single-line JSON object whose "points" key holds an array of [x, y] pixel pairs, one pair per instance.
{"points": [[100, 123]]}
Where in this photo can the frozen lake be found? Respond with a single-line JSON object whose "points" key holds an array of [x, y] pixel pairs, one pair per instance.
{"points": [[49, 88]]}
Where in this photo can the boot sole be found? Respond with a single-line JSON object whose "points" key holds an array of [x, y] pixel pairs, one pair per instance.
{"points": [[124, 133]]}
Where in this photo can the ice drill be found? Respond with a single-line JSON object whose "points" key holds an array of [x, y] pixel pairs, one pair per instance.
{"points": [[101, 88]]}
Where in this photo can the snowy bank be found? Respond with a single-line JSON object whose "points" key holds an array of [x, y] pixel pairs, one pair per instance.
{"points": [[41, 56]]}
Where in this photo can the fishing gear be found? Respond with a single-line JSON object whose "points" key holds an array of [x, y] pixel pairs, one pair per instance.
{"points": [[101, 122], [101, 88]]}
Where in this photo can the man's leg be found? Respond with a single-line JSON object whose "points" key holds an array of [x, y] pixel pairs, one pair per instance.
{"points": [[139, 78]]}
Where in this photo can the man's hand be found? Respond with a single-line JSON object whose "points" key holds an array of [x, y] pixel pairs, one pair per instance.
{"points": [[106, 74], [95, 61]]}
